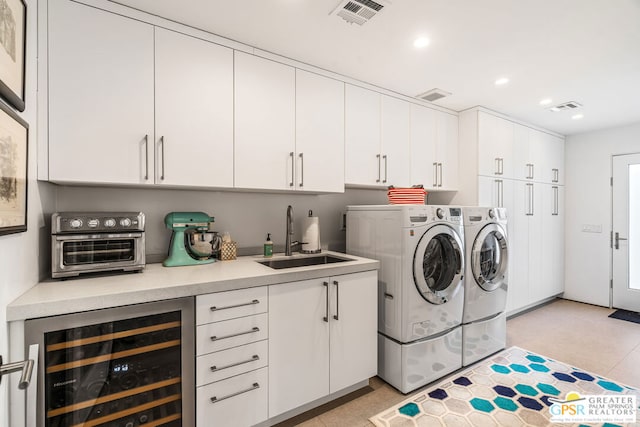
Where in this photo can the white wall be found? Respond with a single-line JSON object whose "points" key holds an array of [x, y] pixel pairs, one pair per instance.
{"points": [[21, 254], [588, 201]]}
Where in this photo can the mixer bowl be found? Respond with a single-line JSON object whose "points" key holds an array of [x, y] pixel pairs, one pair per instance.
{"points": [[203, 244]]}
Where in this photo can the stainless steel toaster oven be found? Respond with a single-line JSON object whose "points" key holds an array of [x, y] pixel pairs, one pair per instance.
{"points": [[90, 242]]}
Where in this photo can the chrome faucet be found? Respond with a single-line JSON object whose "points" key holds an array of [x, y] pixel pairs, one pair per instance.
{"points": [[288, 243]]}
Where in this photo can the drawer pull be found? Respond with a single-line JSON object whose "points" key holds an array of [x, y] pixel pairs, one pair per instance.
{"points": [[253, 359], [255, 386], [254, 329], [255, 301]]}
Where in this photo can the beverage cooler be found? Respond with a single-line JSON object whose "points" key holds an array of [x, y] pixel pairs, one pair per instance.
{"points": [[123, 367]]}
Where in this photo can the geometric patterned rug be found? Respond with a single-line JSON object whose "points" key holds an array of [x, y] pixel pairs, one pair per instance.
{"points": [[516, 388]]}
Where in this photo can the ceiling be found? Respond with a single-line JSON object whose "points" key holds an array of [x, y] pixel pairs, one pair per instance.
{"points": [[586, 51]]}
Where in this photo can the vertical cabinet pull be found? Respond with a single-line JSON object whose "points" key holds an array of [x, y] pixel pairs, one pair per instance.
{"points": [[529, 200], [501, 166], [532, 170], [379, 168], [555, 201], [335, 316], [386, 164], [499, 193], [301, 155], [146, 157], [162, 144], [497, 171], [326, 311], [555, 175], [292, 155], [435, 174], [439, 174]]}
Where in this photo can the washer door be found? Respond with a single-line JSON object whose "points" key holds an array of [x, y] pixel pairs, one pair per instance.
{"points": [[438, 264], [489, 257]]}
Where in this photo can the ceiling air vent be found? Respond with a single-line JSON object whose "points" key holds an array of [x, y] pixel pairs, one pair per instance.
{"points": [[359, 11], [567, 106], [433, 95]]}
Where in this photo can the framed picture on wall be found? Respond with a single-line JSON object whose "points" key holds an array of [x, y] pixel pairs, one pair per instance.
{"points": [[14, 139], [13, 14]]}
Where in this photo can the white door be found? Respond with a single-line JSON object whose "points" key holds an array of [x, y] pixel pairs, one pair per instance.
{"points": [[194, 111], [362, 137], [422, 141], [101, 114], [298, 344], [626, 232], [495, 140], [354, 333], [447, 150], [264, 123], [319, 133], [395, 161]]}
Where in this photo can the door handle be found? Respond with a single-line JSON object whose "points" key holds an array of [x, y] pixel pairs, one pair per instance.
{"points": [[146, 157], [386, 167], [335, 316], [162, 158], [292, 155], [499, 193], [497, 171], [440, 174], [326, 312], [379, 167], [617, 240], [25, 366], [301, 155], [435, 175]]}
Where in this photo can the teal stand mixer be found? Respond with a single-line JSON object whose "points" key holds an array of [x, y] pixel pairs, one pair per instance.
{"points": [[187, 228]]}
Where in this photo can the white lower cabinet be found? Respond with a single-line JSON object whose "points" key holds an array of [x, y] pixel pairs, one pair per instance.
{"points": [[322, 338]]}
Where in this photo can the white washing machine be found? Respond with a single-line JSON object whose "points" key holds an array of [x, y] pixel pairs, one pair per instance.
{"points": [[484, 323], [420, 287]]}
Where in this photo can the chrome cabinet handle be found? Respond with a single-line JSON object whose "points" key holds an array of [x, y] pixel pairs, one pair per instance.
{"points": [[532, 170], [440, 174], [292, 155], [435, 174], [162, 143], [326, 312], [226, 307], [501, 166], [252, 331], [497, 165], [25, 366], [617, 239], [555, 201], [529, 200], [253, 359], [379, 167], [335, 316], [146, 157], [556, 175], [386, 164], [215, 399], [301, 155], [499, 193]]}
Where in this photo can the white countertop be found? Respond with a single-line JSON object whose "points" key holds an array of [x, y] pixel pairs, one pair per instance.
{"points": [[157, 283]]}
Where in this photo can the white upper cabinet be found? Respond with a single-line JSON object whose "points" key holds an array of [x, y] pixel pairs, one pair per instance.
{"points": [[100, 90], [264, 123], [447, 151], [495, 146], [539, 156], [319, 157], [362, 136], [194, 111], [552, 165], [422, 139], [394, 149]]}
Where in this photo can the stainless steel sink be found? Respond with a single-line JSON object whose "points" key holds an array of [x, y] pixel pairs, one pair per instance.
{"points": [[303, 261]]}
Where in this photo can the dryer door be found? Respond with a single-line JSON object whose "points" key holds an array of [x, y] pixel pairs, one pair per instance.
{"points": [[438, 264], [489, 256]]}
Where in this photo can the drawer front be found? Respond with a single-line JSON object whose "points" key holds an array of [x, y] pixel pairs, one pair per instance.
{"points": [[230, 333], [240, 400], [230, 305], [228, 363]]}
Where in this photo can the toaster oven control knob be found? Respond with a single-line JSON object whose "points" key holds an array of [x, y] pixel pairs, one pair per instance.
{"points": [[109, 222], [75, 223], [440, 213], [125, 222], [93, 223]]}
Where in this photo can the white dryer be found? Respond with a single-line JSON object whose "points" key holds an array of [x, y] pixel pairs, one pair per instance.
{"points": [[421, 290], [484, 324]]}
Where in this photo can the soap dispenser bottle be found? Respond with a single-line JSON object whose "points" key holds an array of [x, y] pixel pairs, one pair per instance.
{"points": [[268, 246]]}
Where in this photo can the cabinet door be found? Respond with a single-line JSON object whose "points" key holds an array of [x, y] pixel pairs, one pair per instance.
{"points": [[518, 293], [194, 111], [264, 123], [298, 344], [495, 146], [552, 240], [362, 137], [447, 150], [395, 142], [537, 252], [319, 133], [552, 160], [422, 142], [100, 96], [522, 157], [354, 336]]}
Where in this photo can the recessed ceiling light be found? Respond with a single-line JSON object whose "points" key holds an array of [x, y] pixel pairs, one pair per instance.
{"points": [[502, 81], [577, 116], [421, 42], [546, 101]]}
